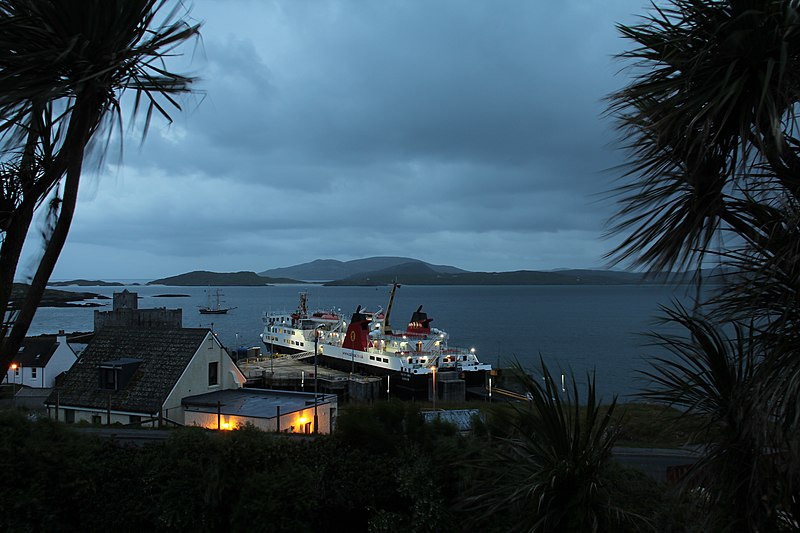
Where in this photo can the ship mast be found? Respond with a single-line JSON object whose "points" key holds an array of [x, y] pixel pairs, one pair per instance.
{"points": [[387, 328], [303, 309]]}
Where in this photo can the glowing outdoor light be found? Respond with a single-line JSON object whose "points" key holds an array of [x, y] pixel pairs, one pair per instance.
{"points": [[433, 369]]}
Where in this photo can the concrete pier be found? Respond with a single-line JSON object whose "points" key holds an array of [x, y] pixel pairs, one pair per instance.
{"points": [[293, 373]]}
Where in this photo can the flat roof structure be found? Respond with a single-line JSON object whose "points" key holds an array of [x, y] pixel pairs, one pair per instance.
{"points": [[268, 409]]}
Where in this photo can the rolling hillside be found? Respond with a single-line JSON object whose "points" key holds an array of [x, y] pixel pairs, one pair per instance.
{"points": [[331, 269], [200, 278]]}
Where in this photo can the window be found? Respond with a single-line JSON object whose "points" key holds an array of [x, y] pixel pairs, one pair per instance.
{"points": [[213, 373], [33, 372], [96, 419], [135, 419], [108, 378], [69, 416]]}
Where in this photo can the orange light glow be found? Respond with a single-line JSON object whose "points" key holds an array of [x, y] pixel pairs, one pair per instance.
{"points": [[302, 420], [13, 366], [225, 426]]}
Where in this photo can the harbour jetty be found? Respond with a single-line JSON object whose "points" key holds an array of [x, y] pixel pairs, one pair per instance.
{"points": [[296, 373]]}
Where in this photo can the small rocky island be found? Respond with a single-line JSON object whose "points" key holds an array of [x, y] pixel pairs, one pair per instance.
{"points": [[58, 298], [85, 283], [203, 278]]}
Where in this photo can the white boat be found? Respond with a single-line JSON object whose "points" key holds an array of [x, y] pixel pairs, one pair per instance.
{"points": [[369, 344], [288, 333], [214, 306]]}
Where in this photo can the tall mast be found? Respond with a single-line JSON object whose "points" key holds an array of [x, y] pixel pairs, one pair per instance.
{"points": [[387, 328]]}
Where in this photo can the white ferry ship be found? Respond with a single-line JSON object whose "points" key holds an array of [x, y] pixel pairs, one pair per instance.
{"points": [[369, 344], [288, 333]]}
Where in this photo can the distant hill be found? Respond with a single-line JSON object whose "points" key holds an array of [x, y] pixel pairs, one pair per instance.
{"points": [[521, 277], [85, 283], [412, 268], [331, 269], [202, 278]]}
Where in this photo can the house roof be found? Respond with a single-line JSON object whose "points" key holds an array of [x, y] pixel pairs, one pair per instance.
{"points": [[164, 355], [254, 403], [36, 351]]}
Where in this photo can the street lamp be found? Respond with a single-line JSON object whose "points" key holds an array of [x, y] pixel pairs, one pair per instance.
{"points": [[14, 383], [433, 368], [316, 351]]}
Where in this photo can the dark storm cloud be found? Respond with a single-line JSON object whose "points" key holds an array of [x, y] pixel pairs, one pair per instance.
{"points": [[337, 129], [380, 82]]}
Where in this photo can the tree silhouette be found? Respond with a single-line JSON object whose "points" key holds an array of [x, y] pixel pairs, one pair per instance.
{"points": [[714, 179], [64, 67]]}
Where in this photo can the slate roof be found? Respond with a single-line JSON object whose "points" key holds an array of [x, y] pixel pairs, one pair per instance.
{"points": [[164, 353], [36, 351]]}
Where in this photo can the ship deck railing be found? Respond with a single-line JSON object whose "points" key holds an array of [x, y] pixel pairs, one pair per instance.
{"points": [[300, 355]]}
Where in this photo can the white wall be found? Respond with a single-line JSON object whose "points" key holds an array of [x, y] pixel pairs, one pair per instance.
{"points": [[61, 361], [290, 423], [86, 415], [23, 376], [194, 380]]}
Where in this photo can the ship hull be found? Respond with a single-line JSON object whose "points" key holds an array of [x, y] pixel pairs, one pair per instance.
{"points": [[400, 385], [213, 311], [280, 349]]}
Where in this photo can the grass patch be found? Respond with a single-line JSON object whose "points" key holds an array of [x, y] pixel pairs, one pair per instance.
{"points": [[656, 426]]}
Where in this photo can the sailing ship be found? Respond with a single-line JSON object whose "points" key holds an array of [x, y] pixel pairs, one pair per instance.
{"points": [[214, 306]]}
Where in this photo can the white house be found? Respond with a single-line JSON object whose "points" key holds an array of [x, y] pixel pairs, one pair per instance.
{"points": [[40, 360], [140, 376]]}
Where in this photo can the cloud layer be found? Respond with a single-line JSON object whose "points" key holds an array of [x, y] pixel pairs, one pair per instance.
{"points": [[463, 133]]}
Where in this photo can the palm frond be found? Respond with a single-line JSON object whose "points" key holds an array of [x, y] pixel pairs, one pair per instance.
{"points": [[549, 471], [715, 89]]}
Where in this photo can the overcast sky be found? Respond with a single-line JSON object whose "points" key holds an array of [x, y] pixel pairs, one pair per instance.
{"points": [[461, 132]]}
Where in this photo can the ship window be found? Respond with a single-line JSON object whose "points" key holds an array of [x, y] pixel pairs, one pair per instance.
{"points": [[385, 360], [371, 357], [302, 343]]}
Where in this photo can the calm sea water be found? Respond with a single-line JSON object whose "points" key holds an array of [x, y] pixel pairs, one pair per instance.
{"points": [[577, 328]]}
